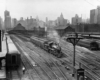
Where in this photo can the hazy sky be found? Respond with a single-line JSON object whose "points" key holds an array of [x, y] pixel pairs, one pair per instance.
{"points": [[48, 8]]}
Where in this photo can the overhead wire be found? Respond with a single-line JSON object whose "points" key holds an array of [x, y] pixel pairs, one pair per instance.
{"points": [[89, 2]]}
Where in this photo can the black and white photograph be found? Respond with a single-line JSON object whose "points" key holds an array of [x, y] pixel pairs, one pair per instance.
{"points": [[49, 39]]}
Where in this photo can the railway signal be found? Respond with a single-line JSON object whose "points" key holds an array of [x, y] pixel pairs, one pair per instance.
{"points": [[80, 74], [74, 40]]}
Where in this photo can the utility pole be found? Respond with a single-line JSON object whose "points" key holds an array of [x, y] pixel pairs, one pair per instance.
{"points": [[74, 40]]}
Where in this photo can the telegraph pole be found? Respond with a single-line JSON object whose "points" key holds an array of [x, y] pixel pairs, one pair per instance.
{"points": [[74, 40]]}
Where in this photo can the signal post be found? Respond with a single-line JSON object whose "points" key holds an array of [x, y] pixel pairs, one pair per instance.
{"points": [[74, 40]]}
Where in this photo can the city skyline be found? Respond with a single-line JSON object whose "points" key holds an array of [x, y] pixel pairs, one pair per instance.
{"points": [[47, 8]]}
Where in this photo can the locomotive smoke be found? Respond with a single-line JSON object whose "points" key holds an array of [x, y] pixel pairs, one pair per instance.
{"points": [[53, 35]]}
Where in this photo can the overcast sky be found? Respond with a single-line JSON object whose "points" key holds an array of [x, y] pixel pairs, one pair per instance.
{"points": [[48, 8]]}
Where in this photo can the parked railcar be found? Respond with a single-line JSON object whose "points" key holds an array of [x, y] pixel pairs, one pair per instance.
{"points": [[90, 44], [13, 58]]}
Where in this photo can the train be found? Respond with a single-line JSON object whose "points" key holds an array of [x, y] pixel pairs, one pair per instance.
{"points": [[53, 48], [13, 58], [48, 45], [92, 44]]}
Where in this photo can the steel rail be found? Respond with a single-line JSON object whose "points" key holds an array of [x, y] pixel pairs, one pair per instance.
{"points": [[54, 64], [26, 63], [93, 71], [47, 74]]}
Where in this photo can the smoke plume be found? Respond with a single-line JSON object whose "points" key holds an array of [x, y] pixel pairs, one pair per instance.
{"points": [[53, 35]]}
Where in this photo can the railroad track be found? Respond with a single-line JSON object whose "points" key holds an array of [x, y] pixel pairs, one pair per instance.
{"points": [[60, 69], [27, 64], [84, 62], [30, 67], [30, 70], [85, 66], [88, 69], [55, 61], [77, 64], [88, 57], [48, 68], [52, 75], [49, 62]]}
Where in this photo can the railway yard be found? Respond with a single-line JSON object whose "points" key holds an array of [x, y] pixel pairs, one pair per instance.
{"points": [[38, 64], [47, 67]]}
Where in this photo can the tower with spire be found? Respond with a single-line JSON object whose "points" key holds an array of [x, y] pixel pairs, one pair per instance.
{"points": [[61, 16], [61, 21]]}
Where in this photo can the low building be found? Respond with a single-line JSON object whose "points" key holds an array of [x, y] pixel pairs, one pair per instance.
{"points": [[62, 30]]}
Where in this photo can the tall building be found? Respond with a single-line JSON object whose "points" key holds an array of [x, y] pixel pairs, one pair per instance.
{"points": [[1, 24], [98, 14], [30, 23], [47, 22], [41, 24], [23, 22], [76, 20], [61, 21], [7, 20], [95, 15], [14, 22]]}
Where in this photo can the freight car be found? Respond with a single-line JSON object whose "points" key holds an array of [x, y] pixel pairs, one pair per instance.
{"points": [[13, 58], [49, 46]]}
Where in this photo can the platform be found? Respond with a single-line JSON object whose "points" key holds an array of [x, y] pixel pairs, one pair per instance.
{"points": [[4, 50]]}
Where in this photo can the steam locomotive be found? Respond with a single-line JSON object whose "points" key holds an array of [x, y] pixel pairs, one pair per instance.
{"points": [[53, 48], [48, 45]]}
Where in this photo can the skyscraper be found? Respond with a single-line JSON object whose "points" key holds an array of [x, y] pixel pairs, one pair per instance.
{"points": [[76, 20], [98, 14], [14, 22], [61, 21], [7, 20], [95, 15], [1, 24]]}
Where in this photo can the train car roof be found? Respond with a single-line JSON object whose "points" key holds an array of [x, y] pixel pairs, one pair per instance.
{"points": [[12, 48]]}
